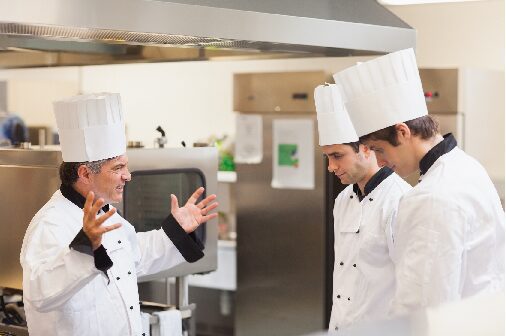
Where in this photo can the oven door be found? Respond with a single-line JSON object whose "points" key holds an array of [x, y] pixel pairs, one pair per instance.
{"points": [[159, 172]]}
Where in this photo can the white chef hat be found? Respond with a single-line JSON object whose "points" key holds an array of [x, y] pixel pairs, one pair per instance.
{"points": [[382, 92], [334, 124], [91, 127]]}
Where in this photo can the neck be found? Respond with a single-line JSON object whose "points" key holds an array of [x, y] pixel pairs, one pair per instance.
{"points": [[81, 189], [422, 147], [373, 169]]}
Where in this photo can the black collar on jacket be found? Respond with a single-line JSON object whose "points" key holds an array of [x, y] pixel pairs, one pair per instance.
{"points": [[72, 195], [437, 151], [373, 182]]}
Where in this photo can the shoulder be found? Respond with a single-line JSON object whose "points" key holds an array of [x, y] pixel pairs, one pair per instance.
{"points": [[345, 193]]}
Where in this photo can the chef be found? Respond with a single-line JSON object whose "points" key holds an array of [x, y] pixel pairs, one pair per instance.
{"points": [[364, 212], [80, 258], [449, 237]]}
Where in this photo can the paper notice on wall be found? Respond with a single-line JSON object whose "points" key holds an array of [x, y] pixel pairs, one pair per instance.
{"points": [[293, 154], [248, 143]]}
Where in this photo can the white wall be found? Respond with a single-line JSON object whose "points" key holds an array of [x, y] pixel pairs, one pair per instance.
{"points": [[193, 100], [468, 33], [190, 100]]}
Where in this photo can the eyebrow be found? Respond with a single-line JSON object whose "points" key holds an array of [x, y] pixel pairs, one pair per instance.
{"points": [[334, 153]]}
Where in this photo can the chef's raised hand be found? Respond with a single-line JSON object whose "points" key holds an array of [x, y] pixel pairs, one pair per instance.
{"points": [[92, 225], [191, 215]]}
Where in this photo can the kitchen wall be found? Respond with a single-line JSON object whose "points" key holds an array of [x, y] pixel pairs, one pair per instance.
{"points": [[193, 100]]}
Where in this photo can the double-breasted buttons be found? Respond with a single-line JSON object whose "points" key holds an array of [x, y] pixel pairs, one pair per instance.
{"points": [[351, 196], [370, 199], [341, 263], [117, 278], [119, 241], [338, 296]]}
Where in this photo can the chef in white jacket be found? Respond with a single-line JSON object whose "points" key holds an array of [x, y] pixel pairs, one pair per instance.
{"points": [[449, 236], [80, 258], [364, 212]]}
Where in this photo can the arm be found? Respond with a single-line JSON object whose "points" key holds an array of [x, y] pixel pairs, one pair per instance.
{"points": [[175, 242], [429, 250], [54, 270]]}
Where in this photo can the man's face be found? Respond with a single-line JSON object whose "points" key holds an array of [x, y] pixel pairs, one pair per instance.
{"points": [[111, 179], [345, 163], [398, 158]]}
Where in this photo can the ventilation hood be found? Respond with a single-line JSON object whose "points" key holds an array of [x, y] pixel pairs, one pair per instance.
{"points": [[79, 32]]}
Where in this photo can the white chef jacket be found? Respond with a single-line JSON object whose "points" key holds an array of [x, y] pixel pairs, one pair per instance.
{"points": [[65, 294], [363, 280], [450, 234]]}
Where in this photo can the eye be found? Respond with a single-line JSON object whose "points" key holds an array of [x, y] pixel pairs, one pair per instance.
{"points": [[336, 156]]}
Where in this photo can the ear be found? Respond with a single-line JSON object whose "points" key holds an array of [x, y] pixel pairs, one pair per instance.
{"points": [[403, 132], [365, 150], [84, 174]]}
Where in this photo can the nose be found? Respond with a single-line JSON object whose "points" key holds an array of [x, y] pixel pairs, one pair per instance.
{"points": [[332, 167], [127, 176]]}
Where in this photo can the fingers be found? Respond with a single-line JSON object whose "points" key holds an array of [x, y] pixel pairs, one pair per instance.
{"points": [[193, 198], [208, 217], [110, 227], [209, 208], [105, 217], [206, 201], [88, 204], [174, 204]]}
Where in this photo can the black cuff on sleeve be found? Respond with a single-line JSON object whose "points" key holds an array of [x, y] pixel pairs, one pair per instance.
{"points": [[102, 260], [189, 246], [82, 243]]}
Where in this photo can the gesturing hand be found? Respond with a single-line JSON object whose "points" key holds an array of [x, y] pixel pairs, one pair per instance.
{"points": [[191, 215], [92, 225]]}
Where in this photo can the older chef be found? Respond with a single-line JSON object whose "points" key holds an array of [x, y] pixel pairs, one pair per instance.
{"points": [[80, 258], [363, 282], [449, 237]]}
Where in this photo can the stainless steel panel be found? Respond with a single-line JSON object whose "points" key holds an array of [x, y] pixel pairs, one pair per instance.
{"points": [[280, 249], [27, 181], [444, 82], [276, 91], [206, 24]]}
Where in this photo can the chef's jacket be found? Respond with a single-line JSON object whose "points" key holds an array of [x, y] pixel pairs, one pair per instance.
{"points": [[450, 232], [363, 281], [64, 291]]}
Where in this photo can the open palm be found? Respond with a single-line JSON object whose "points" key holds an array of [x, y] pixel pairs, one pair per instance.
{"points": [[191, 215]]}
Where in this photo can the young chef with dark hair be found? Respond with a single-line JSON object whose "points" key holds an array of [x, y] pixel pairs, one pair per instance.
{"points": [[449, 237], [80, 258], [364, 212]]}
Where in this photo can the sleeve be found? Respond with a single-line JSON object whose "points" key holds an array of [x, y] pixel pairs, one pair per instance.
{"points": [[166, 248], [429, 249], [52, 271], [82, 243]]}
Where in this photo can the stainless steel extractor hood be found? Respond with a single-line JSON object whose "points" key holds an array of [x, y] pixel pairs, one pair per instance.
{"points": [[66, 32]]}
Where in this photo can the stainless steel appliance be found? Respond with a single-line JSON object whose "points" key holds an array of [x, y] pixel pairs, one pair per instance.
{"points": [[28, 178], [82, 32], [280, 232]]}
